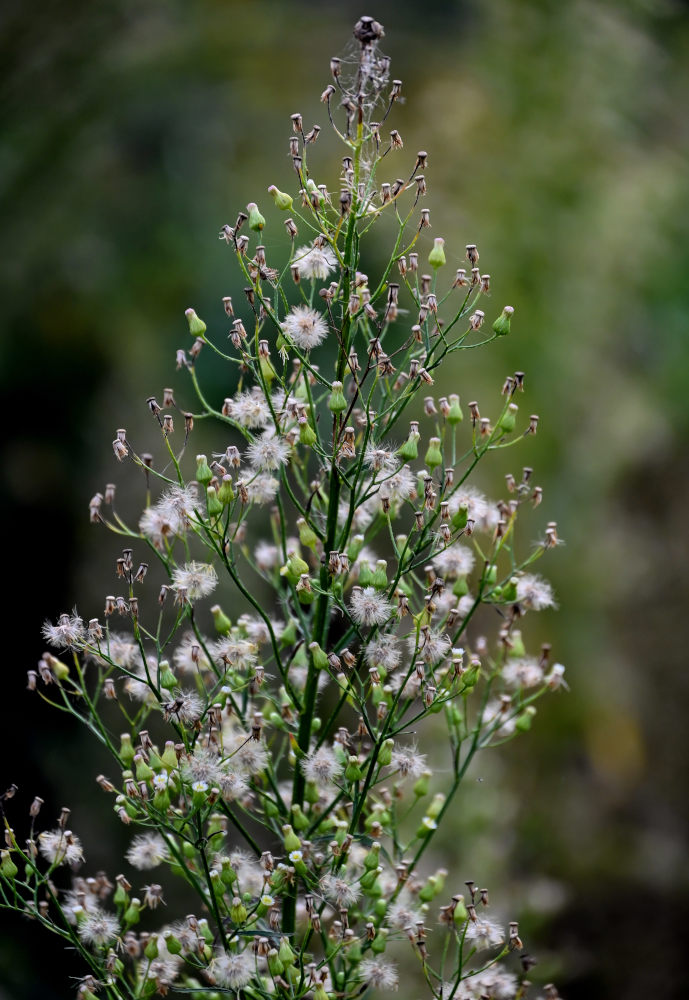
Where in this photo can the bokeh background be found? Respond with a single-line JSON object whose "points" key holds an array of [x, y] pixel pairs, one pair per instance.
{"points": [[558, 142]]}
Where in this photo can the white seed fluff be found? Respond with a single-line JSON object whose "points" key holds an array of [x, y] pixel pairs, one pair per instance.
{"points": [[305, 327], [199, 579], [315, 262], [368, 607]]}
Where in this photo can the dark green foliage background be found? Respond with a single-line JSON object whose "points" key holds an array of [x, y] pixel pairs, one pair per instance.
{"points": [[558, 140]]}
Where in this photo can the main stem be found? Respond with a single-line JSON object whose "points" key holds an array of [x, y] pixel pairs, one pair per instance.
{"points": [[321, 619]]}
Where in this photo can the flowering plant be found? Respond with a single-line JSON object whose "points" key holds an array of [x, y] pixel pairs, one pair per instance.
{"points": [[270, 767]]}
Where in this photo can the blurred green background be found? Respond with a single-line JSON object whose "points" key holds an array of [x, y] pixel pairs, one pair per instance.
{"points": [[558, 140]]}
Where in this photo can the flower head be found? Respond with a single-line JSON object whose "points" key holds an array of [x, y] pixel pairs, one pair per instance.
{"points": [[305, 327], [98, 929], [340, 890], [484, 933], [268, 452], [198, 579], [408, 761], [456, 560], [534, 592], [524, 672], [60, 847], [147, 851], [369, 607], [315, 262], [232, 969], [381, 975], [250, 409], [68, 631], [322, 766]]}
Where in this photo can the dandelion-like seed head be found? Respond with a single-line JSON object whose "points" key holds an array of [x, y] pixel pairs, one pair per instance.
{"points": [[369, 607], [534, 593], [315, 262], [147, 850], [198, 579], [305, 327]]}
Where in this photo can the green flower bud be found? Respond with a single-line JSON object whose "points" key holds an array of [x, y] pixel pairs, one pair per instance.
{"points": [[216, 826], [354, 952], [355, 547], [196, 325], [455, 416], [460, 587], [307, 536], [172, 943], [430, 890], [517, 648], [453, 714], [226, 492], [436, 257], [120, 896], [318, 657], [238, 912], [299, 820], [161, 800], [256, 220], [320, 993], [127, 751], [368, 879], [227, 872], [60, 669], [421, 784], [385, 753], [151, 949], [213, 503], [264, 904], [289, 633], [337, 403], [290, 840], [509, 595], [353, 770], [282, 200], [307, 435], [143, 771], [267, 369], [523, 723], [372, 859], [220, 620], [169, 756], [285, 953], [275, 965], [379, 578], [436, 806], [434, 456], [8, 869], [167, 677], [296, 565], [502, 324], [311, 792], [269, 807], [490, 574], [132, 915], [428, 825], [409, 451], [305, 591], [203, 470], [461, 915], [459, 521], [378, 944], [365, 574], [508, 419], [470, 677]]}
